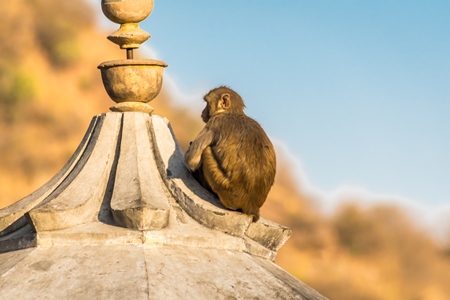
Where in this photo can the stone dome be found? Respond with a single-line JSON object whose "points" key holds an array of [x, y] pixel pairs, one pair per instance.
{"points": [[125, 219]]}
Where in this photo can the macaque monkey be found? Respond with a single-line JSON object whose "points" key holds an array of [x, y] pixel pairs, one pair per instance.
{"points": [[232, 156]]}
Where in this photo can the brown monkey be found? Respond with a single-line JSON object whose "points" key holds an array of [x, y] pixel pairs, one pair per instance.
{"points": [[232, 155]]}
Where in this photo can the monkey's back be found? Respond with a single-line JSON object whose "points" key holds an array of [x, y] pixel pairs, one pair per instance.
{"points": [[242, 162]]}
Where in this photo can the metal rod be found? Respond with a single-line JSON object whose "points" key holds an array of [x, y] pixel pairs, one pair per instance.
{"points": [[129, 53]]}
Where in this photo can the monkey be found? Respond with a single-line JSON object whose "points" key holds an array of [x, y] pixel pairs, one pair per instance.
{"points": [[232, 156]]}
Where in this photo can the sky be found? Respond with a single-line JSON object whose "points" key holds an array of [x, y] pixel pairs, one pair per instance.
{"points": [[358, 91]]}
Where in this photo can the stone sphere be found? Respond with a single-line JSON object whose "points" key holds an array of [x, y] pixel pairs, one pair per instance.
{"points": [[132, 80], [127, 11]]}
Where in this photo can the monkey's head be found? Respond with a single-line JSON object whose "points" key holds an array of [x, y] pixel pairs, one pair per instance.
{"points": [[222, 100]]}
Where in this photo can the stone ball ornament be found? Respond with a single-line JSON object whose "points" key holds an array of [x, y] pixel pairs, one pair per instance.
{"points": [[127, 11]]}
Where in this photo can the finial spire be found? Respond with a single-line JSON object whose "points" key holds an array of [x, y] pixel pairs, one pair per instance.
{"points": [[130, 83]]}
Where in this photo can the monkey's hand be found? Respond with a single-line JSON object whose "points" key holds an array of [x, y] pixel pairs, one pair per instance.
{"points": [[193, 155]]}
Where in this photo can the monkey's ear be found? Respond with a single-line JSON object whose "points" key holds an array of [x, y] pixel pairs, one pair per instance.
{"points": [[226, 101]]}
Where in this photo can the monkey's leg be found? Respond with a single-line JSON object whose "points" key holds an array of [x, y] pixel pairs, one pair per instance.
{"points": [[199, 176]]}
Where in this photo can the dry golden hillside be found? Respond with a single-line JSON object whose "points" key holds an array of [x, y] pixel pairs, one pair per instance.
{"points": [[49, 91]]}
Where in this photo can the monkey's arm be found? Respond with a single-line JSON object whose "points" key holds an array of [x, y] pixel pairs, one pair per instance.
{"points": [[193, 155]]}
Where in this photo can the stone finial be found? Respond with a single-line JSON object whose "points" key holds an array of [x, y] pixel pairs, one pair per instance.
{"points": [[128, 13], [130, 83]]}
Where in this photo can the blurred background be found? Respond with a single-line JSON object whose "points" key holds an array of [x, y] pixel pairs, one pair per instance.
{"points": [[353, 237]]}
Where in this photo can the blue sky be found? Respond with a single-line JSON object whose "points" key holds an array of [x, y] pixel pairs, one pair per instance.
{"points": [[359, 91]]}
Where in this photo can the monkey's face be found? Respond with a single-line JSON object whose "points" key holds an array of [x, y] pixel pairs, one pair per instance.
{"points": [[217, 102], [205, 113], [209, 109]]}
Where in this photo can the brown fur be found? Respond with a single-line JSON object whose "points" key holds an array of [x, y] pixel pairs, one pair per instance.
{"points": [[232, 155]]}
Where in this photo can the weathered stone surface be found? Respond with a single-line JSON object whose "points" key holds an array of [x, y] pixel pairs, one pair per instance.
{"points": [[268, 234], [216, 274], [10, 214], [145, 272], [298, 288], [11, 259], [74, 272], [78, 198], [138, 200], [90, 234]]}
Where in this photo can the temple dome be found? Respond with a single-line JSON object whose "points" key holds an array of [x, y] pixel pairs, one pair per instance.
{"points": [[124, 218]]}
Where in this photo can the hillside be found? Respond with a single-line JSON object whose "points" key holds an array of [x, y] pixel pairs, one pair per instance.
{"points": [[49, 91]]}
